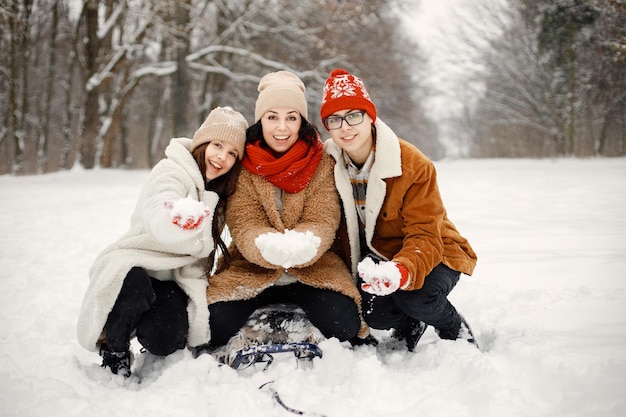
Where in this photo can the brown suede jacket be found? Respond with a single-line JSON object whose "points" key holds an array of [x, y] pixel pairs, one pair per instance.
{"points": [[406, 220], [252, 211]]}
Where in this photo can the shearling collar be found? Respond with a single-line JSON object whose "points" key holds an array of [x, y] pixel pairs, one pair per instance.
{"points": [[179, 151]]}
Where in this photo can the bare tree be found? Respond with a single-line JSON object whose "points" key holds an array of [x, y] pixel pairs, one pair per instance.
{"points": [[607, 109], [547, 85], [116, 79], [17, 16], [45, 133]]}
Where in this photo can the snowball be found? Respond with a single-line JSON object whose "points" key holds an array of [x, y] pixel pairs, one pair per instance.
{"points": [[188, 208], [288, 249]]}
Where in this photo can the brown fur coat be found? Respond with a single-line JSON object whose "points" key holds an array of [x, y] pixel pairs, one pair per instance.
{"points": [[252, 210]]}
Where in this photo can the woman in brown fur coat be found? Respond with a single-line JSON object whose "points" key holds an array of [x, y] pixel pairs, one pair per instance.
{"points": [[282, 218]]}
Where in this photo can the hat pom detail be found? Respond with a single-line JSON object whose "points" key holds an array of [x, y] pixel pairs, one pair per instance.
{"points": [[337, 72], [345, 91]]}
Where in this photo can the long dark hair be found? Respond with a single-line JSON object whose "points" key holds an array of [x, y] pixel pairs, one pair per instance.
{"points": [[224, 187], [308, 132]]}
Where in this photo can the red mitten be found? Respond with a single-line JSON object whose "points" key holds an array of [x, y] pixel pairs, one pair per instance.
{"points": [[383, 278], [404, 279], [190, 222], [188, 213]]}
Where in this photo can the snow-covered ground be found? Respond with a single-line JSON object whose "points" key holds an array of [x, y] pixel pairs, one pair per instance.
{"points": [[547, 303]]}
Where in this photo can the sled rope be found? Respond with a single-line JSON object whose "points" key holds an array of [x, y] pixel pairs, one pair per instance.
{"points": [[267, 387]]}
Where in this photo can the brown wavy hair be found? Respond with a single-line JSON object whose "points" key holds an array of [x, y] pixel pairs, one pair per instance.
{"points": [[224, 187]]}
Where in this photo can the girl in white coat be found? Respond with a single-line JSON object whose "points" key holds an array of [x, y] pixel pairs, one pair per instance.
{"points": [[151, 283]]}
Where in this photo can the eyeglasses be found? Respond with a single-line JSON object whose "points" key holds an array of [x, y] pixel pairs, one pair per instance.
{"points": [[352, 119]]}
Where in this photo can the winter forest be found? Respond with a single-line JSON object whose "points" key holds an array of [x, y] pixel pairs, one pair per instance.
{"points": [[107, 83]]}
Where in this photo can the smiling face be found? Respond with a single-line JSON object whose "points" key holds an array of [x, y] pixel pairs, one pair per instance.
{"points": [[357, 140], [219, 158], [280, 128]]}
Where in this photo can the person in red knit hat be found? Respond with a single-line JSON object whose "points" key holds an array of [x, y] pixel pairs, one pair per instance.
{"points": [[396, 236], [283, 218]]}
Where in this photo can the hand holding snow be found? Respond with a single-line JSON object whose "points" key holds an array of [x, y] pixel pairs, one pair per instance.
{"points": [[302, 246], [271, 250], [379, 279], [288, 249], [187, 213]]}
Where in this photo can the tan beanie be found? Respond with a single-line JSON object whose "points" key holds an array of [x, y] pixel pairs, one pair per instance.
{"points": [[223, 124], [280, 89]]}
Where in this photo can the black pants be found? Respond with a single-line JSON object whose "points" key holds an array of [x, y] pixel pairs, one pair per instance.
{"points": [[156, 310], [428, 304], [334, 314]]}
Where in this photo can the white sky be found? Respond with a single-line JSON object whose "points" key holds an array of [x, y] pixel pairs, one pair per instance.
{"points": [[440, 27]]}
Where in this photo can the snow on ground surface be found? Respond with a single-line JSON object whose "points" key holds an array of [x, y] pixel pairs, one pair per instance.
{"points": [[547, 303]]}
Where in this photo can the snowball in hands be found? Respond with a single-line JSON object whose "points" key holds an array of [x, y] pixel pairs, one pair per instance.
{"points": [[288, 249], [302, 247], [187, 213], [271, 249], [383, 278]]}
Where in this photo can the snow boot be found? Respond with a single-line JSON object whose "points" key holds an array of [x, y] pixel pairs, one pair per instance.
{"points": [[117, 362], [367, 341], [462, 332], [410, 334]]}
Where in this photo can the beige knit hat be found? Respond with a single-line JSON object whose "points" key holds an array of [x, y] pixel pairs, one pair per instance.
{"points": [[280, 89], [223, 124]]}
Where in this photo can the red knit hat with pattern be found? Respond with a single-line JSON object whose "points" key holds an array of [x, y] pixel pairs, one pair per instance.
{"points": [[343, 91]]}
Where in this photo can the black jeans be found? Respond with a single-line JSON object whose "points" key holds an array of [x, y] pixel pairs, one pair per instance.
{"points": [[428, 304], [334, 314], [156, 310]]}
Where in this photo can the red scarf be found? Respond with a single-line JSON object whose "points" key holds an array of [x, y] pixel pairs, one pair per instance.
{"points": [[292, 172]]}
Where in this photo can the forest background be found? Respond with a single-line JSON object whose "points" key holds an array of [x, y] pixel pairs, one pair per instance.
{"points": [[107, 83]]}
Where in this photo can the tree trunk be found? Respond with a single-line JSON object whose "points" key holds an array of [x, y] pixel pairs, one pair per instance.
{"points": [[180, 88], [14, 128], [89, 132], [42, 151], [25, 58]]}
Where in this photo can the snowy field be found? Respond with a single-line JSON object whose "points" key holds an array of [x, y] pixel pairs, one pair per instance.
{"points": [[547, 303]]}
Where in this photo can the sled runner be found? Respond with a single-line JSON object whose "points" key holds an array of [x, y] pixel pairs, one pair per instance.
{"points": [[272, 330], [278, 329]]}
